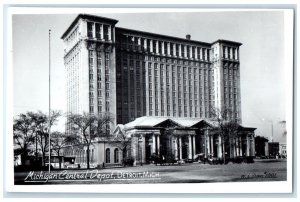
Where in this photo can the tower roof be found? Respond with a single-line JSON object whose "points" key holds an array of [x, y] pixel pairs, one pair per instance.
{"points": [[88, 17]]}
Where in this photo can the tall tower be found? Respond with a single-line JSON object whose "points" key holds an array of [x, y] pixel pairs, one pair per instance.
{"points": [[226, 63], [89, 57]]}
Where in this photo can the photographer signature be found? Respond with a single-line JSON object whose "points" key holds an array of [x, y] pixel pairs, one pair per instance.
{"points": [[255, 175]]}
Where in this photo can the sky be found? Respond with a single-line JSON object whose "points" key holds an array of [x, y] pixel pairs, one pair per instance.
{"points": [[263, 89]]}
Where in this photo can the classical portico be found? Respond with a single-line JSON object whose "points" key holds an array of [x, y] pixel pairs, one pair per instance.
{"points": [[184, 139]]}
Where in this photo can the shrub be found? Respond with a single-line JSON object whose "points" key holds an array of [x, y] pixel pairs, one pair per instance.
{"points": [[238, 160], [128, 161], [249, 159]]}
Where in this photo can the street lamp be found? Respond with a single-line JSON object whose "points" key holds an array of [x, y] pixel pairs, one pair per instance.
{"points": [[272, 128]]}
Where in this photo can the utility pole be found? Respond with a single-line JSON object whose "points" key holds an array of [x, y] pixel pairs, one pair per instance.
{"points": [[49, 130]]}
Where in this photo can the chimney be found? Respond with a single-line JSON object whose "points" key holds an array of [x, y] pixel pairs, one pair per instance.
{"points": [[188, 37]]}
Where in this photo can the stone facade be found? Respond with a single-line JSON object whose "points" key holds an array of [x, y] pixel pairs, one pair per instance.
{"points": [[133, 74]]}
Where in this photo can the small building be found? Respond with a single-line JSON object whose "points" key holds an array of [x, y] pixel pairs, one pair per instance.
{"points": [[272, 149], [260, 146], [282, 150]]}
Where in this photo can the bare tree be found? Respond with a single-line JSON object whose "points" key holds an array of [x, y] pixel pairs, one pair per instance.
{"points": [[23, 135], [60, 140], [227, 126], [89, 128], [41, 123]]}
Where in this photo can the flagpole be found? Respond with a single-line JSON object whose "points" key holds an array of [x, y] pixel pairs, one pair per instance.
{"points": [[49, 130]]}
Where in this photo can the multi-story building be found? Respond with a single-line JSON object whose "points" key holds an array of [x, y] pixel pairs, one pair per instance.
{"points": [[130, 73]]}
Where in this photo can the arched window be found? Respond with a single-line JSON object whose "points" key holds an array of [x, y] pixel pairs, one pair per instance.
{"points": [[107, 155], [116, 155]]}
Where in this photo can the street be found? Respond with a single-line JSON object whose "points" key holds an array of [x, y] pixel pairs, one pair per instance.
{"points": [[261, 170]]}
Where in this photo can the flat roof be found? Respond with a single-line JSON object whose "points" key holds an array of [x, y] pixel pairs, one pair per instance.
{"points": [[87, 16], [226, 41], [162, 36], [186, 122], [99, 18]]}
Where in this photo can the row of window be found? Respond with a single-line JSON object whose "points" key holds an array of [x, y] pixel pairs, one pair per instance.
{"points": [[99, 31], [185, 89], [99, 80], [165, 48], [82, 155], [230, 53], [72, 38]]}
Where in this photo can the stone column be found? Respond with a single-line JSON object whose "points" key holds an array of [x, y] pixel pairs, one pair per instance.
{"points": [[176, 148], [94, 30], [174, 50], [180, 148], [252, 146], [101, 32], [208, 144], [237, 146], [241, 147], [234, 149], [139, 43], [133, 149], [194, 145], [196, 53], [190, 147], [143, 145], [248, 146], [158, 144], [169, 48], [109, 32], [219, 147], [205, 143], [201, 56], [157, 49], [185, 51], [212, 145], [151, 45], [163, 48], [153, 144], [145, 44], [180, 50]]}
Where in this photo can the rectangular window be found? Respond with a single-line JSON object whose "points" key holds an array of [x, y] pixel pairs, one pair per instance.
{"points": [[154, 46], [233, 53], [203, 54], [106, 34], [91, 58], [165, 48], [90, 29], [171, 49], [98, 31], [193, 52], [148, 45], [208, 54]]}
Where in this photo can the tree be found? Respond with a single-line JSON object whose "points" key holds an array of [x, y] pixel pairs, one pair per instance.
{"points": [[60, 140], [41, 123], [88, 128], [227, 126], [23, 135]]}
